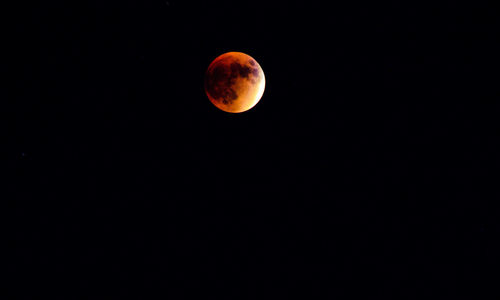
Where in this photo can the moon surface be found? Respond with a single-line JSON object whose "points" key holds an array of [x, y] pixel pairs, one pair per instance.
{"points": [[234, 82]]}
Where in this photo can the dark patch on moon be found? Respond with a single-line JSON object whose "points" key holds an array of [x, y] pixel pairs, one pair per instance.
{"points": [[219, 84], [243, 70], [255, 72]]}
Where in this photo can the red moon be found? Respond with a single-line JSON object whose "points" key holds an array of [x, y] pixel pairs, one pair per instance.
{"points": [[234, 82]]}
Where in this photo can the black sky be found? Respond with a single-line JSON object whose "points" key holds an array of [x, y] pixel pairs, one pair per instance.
{"points": [[362, 170]]}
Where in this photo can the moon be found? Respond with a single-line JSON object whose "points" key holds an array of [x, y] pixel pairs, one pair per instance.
{"points": [[234, 82]]}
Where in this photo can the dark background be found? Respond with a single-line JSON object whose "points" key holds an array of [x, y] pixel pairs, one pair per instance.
{"points": [[363, 170]]}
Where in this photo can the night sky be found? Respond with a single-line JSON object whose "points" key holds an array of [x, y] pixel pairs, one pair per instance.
{"points": [[362, 171]]}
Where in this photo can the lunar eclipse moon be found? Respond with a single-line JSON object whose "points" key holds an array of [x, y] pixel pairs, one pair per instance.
{"points": [[234, 82]]}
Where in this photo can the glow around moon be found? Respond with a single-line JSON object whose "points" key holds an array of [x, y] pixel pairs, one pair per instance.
{"points": [[234, 82]]}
